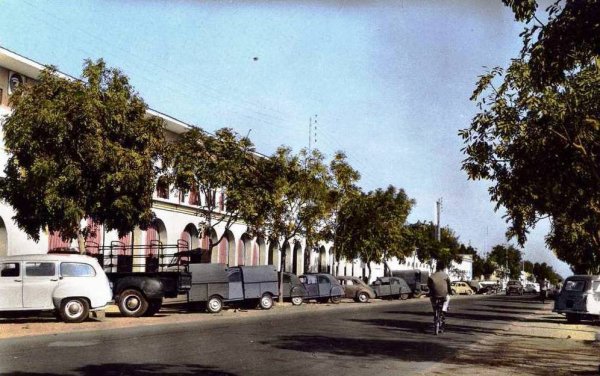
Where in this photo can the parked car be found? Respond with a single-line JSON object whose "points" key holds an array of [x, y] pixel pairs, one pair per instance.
{"points": [[416, 280], [356, 289], [461, 288], [72, 285], [322, 287], [579, 298], [514, 287], [217, 284], [391, 287], [531, 288], [293, 289]]}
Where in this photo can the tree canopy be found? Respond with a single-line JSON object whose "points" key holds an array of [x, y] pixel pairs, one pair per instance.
{"points": [[537, 135], [80, 149]]}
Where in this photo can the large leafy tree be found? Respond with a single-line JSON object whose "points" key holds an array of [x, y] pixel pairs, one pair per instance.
{"points": [[295, 200], [80, 149], [372, 226], [222, 169], [537, 135], [508, 258], [420, 237]]}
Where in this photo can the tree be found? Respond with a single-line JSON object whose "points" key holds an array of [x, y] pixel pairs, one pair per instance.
{"points": [[536, 137], [222, 168], [295, 201], [421, 237], [508, 259], [372, 226], [80, 149]]}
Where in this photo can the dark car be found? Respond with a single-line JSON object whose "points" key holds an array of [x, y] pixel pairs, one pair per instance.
{"points": [[356, 289], [293, 289], [322, 287], [416, 280], [514, 287], [391, 287]]}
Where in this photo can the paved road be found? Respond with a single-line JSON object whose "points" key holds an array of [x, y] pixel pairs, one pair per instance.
{"points": [[383, 338]]}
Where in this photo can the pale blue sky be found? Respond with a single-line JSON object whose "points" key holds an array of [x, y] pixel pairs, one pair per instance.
{"points": [[390, 81]]}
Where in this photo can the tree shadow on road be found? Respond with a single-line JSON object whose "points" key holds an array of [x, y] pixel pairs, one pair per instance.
{"points": [[125, 369], [419, 327], [418, 351]]}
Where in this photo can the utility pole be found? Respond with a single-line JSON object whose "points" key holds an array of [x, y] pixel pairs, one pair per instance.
{"points": [[438, 230], [312, 121]]}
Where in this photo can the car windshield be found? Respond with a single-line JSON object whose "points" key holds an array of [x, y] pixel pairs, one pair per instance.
{"points": [[574, 285]]}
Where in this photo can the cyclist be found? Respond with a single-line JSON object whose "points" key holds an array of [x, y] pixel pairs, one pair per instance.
{"points": [[439, 286]]}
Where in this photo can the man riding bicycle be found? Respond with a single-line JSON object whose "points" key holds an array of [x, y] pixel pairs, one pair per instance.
{"points": [[439, 286]]}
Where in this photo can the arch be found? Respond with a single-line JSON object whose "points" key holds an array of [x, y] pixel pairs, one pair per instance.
{"points": [[262, 251], [156, 232], [273, 258], [322, 261], [287, 254], [227, 249], [3, 238], [190, 235], [245, 250], [297, 259], [211, 235]]}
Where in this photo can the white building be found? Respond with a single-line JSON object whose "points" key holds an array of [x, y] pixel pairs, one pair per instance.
{"points": [[461, 271], [177, 214]]}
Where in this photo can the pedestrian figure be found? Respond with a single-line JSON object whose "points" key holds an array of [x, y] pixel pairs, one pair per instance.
{"points": [[544, 290]]}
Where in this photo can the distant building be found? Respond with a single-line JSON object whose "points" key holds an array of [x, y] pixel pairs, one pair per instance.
{"points": [[461, 271]]}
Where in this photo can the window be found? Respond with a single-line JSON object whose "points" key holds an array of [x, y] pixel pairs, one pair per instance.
{"points": [[310, 279], [40, 269], [574, 285], [349, 282], [286, 278], [75, 269], [10, 269], [162, 188], [234, 275], [323, 279]]}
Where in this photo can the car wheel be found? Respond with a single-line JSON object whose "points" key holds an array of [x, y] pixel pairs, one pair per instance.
{"points": [[469, 292], [154, 305], [336, 299], [132, 303], [266, 301], [403, 296], [74, 309], [215, 304], [573, 318], [297, 300], [363, 297], [453, 292], [417, 295]]}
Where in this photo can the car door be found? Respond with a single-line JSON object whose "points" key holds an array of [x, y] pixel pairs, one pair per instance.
{"points": [[324, 286], [311, 286], [39, 281], [236, 290], [11, 286]]}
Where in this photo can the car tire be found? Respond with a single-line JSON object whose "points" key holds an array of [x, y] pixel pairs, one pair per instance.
{"points": [[417, 295], [336, 299], [74, 310], [469, 292], [403, 296], [266, 301], [214, 304], [573, 318], [362, 297], [154, 306], [132, 303], [453, 292], [297, 300]]}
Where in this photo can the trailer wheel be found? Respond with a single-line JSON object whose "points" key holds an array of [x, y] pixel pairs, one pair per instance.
{"points": [[74, 310], [297, 300], [154, 305], [215, 304], [132, 303], [403, 296], [266, 301]]}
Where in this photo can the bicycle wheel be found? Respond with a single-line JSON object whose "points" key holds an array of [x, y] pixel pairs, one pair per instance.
{"points": [[436, 321]]}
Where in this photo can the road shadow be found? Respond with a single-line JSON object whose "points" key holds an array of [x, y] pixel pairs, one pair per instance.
{"points": [[360, 348], [419, 327], [126, 369]]}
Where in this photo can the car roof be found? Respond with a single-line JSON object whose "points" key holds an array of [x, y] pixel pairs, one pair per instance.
{"points": [[47, 257]]}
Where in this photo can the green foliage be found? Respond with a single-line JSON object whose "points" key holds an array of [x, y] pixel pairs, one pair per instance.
{"points": [[508, 259], [420, 236], [80, 149], [372, 226], [537, 135], [214, 164]]}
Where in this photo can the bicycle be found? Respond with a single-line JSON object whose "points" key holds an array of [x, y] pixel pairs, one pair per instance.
{"points": [[439, 319]]}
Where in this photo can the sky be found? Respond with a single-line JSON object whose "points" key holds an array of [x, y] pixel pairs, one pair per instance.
{"points": [[388, 82]]}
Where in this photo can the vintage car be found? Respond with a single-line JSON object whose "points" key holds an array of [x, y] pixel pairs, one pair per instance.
{"points": [[416, 280], [579, 298], [514, 287], [531, 288], [461, 288], [218, 284], [322, 287], [293, 290], [391, 287], [356, 289], [72, 285]]}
